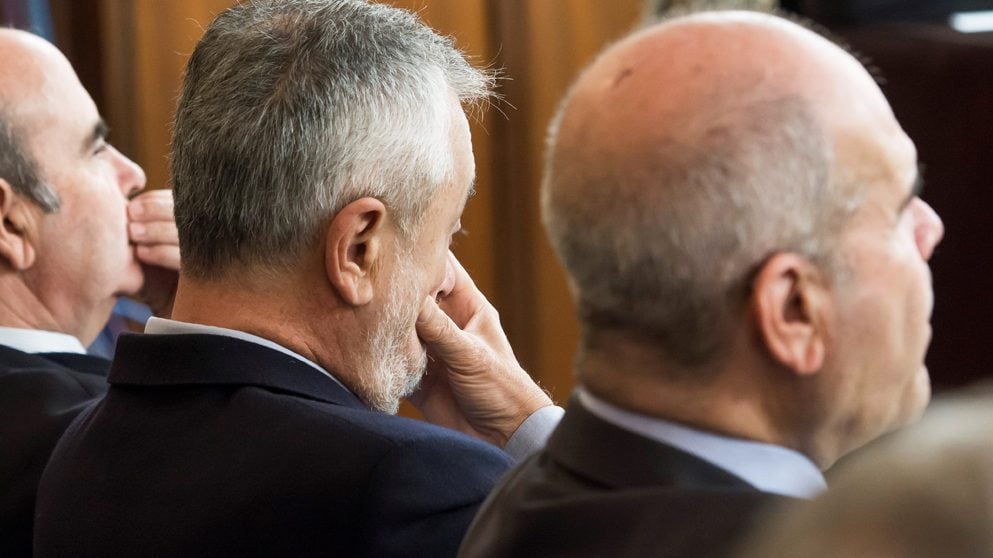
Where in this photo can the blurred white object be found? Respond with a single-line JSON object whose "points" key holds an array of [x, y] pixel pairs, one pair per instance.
{"points": [[972, 22]]}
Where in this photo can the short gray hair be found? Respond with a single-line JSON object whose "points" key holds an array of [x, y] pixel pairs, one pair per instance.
{"points": [[291, 109], [664, 246], [19, 167]]}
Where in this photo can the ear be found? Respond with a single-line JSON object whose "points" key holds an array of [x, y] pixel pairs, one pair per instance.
{"points": [[790, 302], [16, 217], [354, 246]]}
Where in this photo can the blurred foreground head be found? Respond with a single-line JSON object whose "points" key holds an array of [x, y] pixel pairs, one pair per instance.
{"points": [[926, 492]]}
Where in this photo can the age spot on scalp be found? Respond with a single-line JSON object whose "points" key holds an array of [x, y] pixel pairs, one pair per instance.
{"points": [[622, 76]]}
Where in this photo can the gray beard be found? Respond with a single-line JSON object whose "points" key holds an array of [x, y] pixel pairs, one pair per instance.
{"points": [[392, 374]]}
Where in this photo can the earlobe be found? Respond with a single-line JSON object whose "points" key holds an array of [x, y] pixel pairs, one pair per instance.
{"points": [[789, 302], [353, 249], [16, 248]]}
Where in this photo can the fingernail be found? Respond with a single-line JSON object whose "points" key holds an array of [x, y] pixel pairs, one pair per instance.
{"points": [[137, 229], [135, 208]]}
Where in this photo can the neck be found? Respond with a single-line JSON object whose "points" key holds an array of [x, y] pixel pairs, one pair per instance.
{"points": [[740, 396], [23, 307], [304, 316]]}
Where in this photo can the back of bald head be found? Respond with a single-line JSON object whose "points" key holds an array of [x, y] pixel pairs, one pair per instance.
{"points": [[680, 160]]}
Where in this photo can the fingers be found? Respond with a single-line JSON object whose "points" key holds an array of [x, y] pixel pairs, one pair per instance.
{"points": [[156, 232], [154, 205], [465, 301], [160, 255], [153, 229], [442, 336]]}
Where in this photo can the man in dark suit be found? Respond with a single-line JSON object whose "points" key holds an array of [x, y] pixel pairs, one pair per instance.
{"points": [[66, 255], [737, 210], [321, 162]]}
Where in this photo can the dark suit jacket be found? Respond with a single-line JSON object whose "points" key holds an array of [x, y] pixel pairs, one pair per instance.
{"points": [[213, 446], [599, 490], [40, 394]]}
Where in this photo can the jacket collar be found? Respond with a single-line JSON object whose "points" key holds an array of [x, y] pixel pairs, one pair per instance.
{"points": [[191, 359], [616, 458]]}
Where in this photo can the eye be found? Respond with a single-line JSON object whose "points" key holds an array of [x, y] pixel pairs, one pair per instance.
{"points": [[100, 148]]}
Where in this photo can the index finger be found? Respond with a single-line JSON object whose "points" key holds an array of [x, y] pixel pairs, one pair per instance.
{"points": [[154, 205], [465, 300]]}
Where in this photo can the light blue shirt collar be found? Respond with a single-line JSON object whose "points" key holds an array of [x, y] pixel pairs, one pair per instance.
{"points": [[767, 467], [39, 341], [159, 326]]}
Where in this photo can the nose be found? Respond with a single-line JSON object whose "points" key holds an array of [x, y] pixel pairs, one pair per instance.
{"points": [[448, 283], [929, 229], [130, 177]]}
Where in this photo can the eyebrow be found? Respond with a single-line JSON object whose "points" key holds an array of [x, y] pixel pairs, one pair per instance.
{"points": [[100, 131]]}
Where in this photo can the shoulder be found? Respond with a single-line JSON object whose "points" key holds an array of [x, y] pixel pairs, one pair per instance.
{"points": [[544, 509], [410, 448], [27, 377], [425, 490]]}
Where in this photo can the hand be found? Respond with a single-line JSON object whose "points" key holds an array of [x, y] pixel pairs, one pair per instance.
{"points": [[152, 229], [474, 383]]}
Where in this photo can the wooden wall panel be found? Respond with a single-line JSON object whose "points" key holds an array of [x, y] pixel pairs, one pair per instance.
{"points": [[146, 45], [543, 44]]}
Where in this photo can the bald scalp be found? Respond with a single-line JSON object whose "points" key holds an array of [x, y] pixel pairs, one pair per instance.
{"points": [[685, 156]]}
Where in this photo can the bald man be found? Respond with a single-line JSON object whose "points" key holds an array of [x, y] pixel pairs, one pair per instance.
{"points": [[65, 257], [737, 209]]}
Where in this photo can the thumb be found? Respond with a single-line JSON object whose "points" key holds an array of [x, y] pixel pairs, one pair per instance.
{"points": [[440, 333]]}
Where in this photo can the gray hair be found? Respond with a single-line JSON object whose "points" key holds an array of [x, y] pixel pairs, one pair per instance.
{"points": [[20, 168], [291, 109], [664, 245]]}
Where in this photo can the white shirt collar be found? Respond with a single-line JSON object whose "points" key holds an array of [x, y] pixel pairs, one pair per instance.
{"points": [[767, 467], [39, 341], [157, 326]]}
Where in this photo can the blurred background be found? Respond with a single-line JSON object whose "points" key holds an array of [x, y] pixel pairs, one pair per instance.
{"points": [[130, 55]]}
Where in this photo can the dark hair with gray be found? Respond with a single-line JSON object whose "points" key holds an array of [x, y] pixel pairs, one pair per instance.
{"points": [[664, 244], [291, 109], [20, 169]]}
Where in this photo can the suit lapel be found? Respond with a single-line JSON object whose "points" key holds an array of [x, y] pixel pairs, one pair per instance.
{"points": [[189, 359], [616, 458]]}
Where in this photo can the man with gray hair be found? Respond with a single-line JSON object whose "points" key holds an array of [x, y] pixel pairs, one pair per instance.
{"points": [[321, 162], [737, 210], [75, 235]]}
